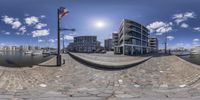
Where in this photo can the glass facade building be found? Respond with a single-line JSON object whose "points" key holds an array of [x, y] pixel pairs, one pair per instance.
{"points": [[85, 44]]}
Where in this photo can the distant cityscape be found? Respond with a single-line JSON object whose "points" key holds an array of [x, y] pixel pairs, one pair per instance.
{"points": [[19, 48], [132, 38]]}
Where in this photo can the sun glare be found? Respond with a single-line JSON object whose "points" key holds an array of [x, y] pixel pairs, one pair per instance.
{"points": [[100, 24]]}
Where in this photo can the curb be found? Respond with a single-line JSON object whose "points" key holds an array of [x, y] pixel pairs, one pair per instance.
{"points": [[106, 65]]}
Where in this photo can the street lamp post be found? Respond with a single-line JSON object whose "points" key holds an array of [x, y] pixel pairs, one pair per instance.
{"points": [[58, 51], [60, 13], [165, 44]]}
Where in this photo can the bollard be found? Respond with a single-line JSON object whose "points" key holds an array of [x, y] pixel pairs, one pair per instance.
{"points": [[63, 61]]}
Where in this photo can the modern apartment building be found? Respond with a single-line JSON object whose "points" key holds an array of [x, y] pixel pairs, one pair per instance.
{"points": [[153, 44], [108, 44], [87, 44], [115, 38], [132, 38]]}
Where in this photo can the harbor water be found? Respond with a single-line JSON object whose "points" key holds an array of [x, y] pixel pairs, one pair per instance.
{"points": [[20, 59], [193, 58]]}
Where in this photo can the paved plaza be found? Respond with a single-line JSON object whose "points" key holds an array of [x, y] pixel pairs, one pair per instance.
{"points": [[159, 78]]}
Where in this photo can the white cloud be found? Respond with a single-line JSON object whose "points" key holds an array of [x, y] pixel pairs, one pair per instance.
{"points": [[51, 40], [40, 25], [31, 20], [189, 14], [2, 44], [40, 40], [22, 29], [170, 23], [195, 40], [8, 20], [170, 37], [184, 25], [42, 16], [39, 33], [14, 22], [184, 45], [197, 29], [69, 37], [181, 17], [7, 33], [160, 27], [17, 33]]}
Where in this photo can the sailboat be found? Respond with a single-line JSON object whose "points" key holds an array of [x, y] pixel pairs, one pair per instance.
{"points": [[29, 52], [37, 52]]}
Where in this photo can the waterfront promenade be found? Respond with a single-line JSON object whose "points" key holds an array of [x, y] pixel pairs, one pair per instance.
{"points": [[161, 77]]}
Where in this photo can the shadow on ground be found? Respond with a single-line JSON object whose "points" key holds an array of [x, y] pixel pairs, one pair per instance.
{"points": [[48, 65]]}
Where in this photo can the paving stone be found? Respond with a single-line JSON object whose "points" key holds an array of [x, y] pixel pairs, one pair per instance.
{"points": [[126, 96], [108, 91], [81, 95], [104, 95], [164, 86], [6, 96], [94, 92], [119, 92]]}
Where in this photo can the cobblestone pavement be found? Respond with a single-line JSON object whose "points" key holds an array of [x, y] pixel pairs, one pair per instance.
{"points": [[158, 78]]}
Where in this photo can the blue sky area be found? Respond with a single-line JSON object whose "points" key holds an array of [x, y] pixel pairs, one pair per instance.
{"points": [[25, 22]]}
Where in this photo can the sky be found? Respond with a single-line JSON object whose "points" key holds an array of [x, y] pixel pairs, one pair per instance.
{"points": [[34, 22]]}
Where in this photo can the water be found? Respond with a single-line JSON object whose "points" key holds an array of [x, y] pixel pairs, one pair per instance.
{"points": [[193, 58], [19, 59]]}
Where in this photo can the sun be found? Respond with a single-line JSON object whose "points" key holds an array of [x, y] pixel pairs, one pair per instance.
{"points": [[100, 24]]}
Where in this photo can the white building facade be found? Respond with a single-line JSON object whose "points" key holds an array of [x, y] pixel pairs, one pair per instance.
{"points": [[132, 38]]}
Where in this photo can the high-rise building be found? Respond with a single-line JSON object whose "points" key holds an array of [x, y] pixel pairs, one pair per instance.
{"points": [[14, 48], [131, 39], [108, 44], [153, 44]]}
